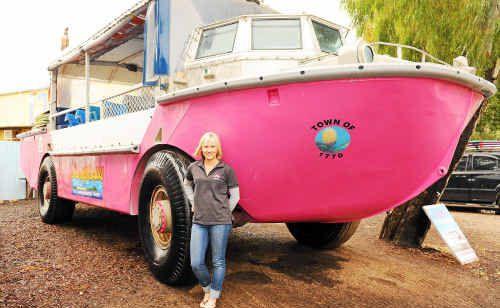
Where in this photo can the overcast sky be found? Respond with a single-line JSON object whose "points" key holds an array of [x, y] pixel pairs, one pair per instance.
{"points": [[31, 31]]}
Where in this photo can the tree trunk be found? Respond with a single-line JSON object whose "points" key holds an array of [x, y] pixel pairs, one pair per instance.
{"points": [[407, 225]]}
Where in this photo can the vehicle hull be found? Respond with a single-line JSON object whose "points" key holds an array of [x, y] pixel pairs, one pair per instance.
{"points": [[396, 136]]}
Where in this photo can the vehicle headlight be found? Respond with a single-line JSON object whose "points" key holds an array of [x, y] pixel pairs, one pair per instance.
{"points": [[360, 53], [365, 53]]}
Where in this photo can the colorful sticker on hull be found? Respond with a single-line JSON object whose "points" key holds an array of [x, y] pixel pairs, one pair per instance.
{"points": [[88, 182], [332, 137]]}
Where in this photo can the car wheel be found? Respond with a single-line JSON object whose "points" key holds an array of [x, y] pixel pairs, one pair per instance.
{"points": [[322, 235], [165, 219], [52, 208]]}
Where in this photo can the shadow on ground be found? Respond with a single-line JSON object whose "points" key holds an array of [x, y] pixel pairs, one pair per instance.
{"points": [[245, 249]]}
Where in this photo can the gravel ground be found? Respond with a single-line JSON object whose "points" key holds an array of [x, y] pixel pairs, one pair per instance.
{"points": [[96, 261]]}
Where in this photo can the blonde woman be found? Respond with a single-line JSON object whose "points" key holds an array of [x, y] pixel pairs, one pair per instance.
{"points": [[215, 195]]}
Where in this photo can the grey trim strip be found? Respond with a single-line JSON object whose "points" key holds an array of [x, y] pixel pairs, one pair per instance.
{"points": [[32, 132], [367, 70], [122, 149], [476, 171]]}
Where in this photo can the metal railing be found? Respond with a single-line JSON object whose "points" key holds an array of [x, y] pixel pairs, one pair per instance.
{"points": [[133, 100], [399, 52], [136, 99]]}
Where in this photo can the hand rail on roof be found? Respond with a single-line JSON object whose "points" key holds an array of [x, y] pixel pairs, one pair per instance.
{"points": [[399, 51]]}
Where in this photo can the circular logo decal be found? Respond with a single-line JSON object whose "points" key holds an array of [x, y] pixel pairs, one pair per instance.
{"points": [[332, 139]]}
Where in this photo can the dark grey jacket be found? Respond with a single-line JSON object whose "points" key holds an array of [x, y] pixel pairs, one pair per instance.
{"points": [[211, 203]]}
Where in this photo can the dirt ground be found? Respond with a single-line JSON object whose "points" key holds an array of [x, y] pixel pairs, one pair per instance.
{"points": [[96, 261]]}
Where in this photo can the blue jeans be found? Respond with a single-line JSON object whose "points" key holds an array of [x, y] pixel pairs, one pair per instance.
{"points": [[217, 235]]}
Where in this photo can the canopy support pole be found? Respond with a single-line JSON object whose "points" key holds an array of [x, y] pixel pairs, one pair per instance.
{"points": [[87, 87], [53, 99]]}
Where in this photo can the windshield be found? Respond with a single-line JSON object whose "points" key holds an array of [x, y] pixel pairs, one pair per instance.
{"points": [[276, 34], [328, 38], [217, 41]]}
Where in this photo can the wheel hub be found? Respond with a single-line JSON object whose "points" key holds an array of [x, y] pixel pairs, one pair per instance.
{"points": [[46, 196], [160, 217], [47, 190]]}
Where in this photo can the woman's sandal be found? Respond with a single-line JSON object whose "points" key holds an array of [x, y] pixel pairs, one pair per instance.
{"points": [[207, 304], [205, 300]]}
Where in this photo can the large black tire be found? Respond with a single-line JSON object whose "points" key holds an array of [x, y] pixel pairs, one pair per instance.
{"points": [[167, 252], [322, 235], [52, 208]]}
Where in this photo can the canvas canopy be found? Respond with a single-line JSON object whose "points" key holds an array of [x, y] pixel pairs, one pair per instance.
{"points": [[162, 27]]}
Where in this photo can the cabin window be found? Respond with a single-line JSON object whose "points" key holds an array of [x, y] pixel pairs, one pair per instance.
{"points": [[328, 38], [461, 164], [485, 163], [216, 41], [270, 34]]}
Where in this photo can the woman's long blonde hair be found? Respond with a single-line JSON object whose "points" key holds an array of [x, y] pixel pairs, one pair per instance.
{"points": [[206, 136]]}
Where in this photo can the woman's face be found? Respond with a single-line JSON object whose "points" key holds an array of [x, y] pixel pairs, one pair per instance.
{"points": [[209, 149]]}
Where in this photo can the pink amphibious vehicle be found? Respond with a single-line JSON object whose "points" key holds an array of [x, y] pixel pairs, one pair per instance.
{"points": [[320, 134]]}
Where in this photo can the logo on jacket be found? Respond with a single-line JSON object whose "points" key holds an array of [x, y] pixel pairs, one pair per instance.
{"points": [[332, 137], [217, 177]]}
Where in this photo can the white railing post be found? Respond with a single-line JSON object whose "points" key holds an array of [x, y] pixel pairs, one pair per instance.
{"points": [[400, 52], [87, 87]]}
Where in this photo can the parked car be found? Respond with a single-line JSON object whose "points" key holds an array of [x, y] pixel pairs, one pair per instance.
{"points": [[475, 179]]}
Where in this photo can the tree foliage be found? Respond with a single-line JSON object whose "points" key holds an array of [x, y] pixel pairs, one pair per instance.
{"points": [[445, 29]]}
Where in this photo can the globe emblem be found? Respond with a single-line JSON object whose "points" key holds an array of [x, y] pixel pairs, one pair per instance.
{"points": [[332, 139]]}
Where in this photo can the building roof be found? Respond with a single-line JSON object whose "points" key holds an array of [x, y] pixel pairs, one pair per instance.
{"points": [[23, 91]]}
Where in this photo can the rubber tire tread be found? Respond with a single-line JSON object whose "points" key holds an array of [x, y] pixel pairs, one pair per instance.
{"points": [[60, 210], [174, 266], [322, 235]]}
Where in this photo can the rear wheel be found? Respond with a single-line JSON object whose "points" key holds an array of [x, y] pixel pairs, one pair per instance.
{"points": [[53, 209], [165, 219], [322, 235]]}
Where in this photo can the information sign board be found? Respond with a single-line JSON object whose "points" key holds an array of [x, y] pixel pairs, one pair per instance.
{"points": [[450, 232]]}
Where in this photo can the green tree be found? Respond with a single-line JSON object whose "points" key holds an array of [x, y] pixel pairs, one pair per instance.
{"points": [[445, 29]]}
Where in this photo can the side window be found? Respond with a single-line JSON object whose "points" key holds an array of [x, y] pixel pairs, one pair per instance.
{"points": [[328, 38], [274, 34], [461, 164], [217, 41], [484, 163]]}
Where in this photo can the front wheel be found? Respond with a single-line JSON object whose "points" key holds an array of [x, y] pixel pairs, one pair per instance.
{"points": [[165, 219], [53, 209], [322, 235]]}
